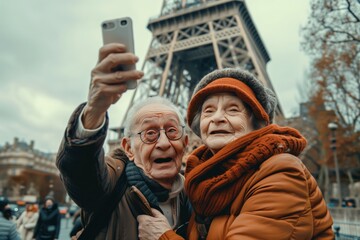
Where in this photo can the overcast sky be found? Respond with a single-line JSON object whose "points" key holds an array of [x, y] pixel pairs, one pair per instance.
{"points": [[48, 48]]}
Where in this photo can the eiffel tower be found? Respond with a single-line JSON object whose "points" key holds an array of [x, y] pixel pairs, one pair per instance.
{"points": [[190, 39]]}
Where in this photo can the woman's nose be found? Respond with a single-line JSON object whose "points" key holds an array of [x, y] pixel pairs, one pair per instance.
{"points": [[219, 116]]}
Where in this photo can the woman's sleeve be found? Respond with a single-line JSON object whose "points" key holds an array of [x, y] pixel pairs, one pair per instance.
{"points": [[170, 235]]}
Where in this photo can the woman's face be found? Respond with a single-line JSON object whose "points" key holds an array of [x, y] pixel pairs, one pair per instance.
{"points": [[29, 207], [224, 118]]}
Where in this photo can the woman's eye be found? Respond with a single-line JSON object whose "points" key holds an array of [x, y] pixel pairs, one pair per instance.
{"points": [[234, 109], [208, 110]]}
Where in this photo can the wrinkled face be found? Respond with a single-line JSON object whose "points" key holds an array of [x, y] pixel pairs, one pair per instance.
{"points": [[162, 159], [224, 118]]}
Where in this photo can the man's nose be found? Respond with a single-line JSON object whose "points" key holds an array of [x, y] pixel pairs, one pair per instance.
{"points": [[163, 140]]}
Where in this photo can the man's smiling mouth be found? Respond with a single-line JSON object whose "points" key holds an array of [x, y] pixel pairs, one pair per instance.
{"points": [[163, 160]]}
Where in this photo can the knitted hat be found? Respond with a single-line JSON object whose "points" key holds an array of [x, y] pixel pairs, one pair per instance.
{"points": [[261, 100], [50, 197]]}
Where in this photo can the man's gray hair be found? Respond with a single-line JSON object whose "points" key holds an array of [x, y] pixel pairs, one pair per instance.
{"points": [[129, 121]]}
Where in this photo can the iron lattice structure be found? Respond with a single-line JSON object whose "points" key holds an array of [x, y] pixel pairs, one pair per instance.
{"points": [[192, 38]]}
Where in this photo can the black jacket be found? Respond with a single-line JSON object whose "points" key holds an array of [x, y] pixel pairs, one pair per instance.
{"points": [[48, 224]]}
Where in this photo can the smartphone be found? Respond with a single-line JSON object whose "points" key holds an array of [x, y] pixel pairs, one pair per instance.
{"points": [[120, 30]]}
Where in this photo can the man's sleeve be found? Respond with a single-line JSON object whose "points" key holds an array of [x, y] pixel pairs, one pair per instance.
{"points": [[82, 165], [83, 133]]}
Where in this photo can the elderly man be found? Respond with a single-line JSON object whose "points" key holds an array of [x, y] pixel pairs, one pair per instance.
{"points": [[154, 145]]}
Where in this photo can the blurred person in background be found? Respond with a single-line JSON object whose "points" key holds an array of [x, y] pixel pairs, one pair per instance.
{"points": [[48, 223], [7, 227], [9, 214], [27, 221]]}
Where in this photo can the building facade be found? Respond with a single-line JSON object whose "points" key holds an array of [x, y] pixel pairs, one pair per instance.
{"points": [[26, 171]]}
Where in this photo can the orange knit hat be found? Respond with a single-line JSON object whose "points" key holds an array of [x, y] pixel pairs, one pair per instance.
{"points": [[262, 101]]}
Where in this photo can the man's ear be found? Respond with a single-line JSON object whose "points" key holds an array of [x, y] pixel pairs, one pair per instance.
{"points": [[125, 143]]}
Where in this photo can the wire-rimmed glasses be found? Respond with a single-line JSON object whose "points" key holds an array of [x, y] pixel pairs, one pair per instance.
{"points": [[151, 135]]}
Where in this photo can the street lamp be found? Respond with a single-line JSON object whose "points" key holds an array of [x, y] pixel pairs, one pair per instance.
{"points": [[333, 127]]}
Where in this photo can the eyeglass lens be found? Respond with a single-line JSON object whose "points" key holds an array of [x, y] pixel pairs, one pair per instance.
{"points": [[152, 135]]}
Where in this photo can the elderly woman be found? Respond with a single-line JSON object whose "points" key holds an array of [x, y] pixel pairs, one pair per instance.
{"points": [[246, 181]]}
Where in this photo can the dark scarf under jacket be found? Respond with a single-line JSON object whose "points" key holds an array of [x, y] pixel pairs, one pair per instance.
{"points": [[152, 190]]}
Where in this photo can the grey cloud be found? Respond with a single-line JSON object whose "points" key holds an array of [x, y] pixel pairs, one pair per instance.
{"points": [[50, 47]]}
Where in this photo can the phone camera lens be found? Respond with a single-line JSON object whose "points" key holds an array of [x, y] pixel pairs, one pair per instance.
{"points": [[104, 25], [123, 22]]}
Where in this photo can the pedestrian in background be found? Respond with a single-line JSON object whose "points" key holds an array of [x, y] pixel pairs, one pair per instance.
{"points": [[27, 221], [48, 224], [7, 228]]}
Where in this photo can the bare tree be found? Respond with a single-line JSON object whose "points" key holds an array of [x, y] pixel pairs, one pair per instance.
{"points": [[331, 37]]}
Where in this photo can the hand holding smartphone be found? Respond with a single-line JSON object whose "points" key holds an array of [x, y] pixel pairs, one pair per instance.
{"points": [[120, 31]]}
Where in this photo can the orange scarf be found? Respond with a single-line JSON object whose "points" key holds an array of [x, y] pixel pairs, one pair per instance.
{"points": [[213, 181]]}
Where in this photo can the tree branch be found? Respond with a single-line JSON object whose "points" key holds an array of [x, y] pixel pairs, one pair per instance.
{"points": [[336, 105], [351, 12], [342, 32]]}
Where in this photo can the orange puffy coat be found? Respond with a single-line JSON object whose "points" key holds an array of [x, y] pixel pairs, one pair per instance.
{"points": [[256, 188]]}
